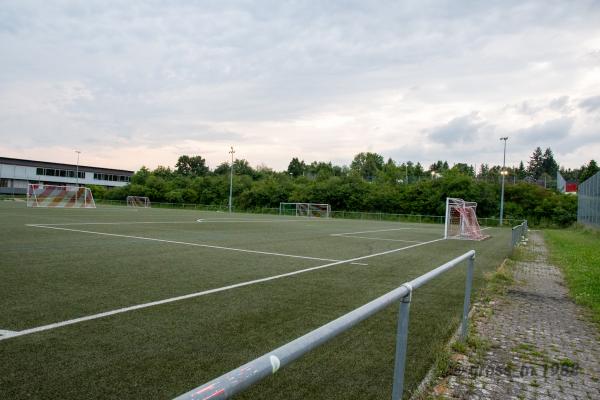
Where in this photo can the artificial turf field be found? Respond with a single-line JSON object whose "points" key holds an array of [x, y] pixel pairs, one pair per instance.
{"points": [[62, 264]]}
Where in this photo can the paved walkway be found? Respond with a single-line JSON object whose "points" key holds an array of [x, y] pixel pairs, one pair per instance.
{"points": [[541, 346]]}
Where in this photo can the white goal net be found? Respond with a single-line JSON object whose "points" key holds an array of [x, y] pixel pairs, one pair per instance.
{"points": [[305, 209], [461, 220], [41, 195], [138, 201]]}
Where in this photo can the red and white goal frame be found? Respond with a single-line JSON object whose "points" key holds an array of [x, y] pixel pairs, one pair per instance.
{"points": [[56, 196], [461, 220]]}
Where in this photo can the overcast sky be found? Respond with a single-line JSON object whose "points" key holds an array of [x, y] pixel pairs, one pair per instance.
{"points": [[132, 83]]}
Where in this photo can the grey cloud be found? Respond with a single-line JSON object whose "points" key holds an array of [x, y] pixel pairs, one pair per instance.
{"points": [[590, 104], [547, 132], [461, 129]]}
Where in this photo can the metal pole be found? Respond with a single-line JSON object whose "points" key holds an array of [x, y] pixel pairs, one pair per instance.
{"points": [[231, 180], [503, 174], [467, 303], [401, 344], [77, 176]]}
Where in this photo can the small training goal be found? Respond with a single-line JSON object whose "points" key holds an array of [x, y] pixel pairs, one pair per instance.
{"points": [[461, 220], [138, 201], [305, 209], [54, 196]]}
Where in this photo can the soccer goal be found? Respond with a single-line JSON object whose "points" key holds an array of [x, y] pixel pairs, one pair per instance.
{"points": [[42, 195], [138, 201], [305, 209], [461, 220]]}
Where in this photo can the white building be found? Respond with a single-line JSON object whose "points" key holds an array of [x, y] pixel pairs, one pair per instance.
{"points": [[15, 174]]}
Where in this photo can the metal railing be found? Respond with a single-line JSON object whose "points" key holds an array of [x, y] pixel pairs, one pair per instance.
{"points": [[248, 374], [519, 233], [588, 202]]}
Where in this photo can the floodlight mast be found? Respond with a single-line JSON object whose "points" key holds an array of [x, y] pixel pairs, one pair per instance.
{"points": [[231, 179], [77, 174], [503, 173]]}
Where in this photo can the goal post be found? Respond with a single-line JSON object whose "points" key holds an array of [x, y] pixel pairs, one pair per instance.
{"points": [[138, 201], [461, 220], [55, 196], [305, 209]]}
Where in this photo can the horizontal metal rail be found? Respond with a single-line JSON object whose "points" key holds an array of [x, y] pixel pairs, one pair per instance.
{"points": [[519, 233], [248, 374]]}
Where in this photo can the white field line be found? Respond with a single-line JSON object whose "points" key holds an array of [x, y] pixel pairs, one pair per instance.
{"points": [[305, 219], [371, 238], [378, 230], [4, 332], [184, 243], [160, 222], [203, 293]]}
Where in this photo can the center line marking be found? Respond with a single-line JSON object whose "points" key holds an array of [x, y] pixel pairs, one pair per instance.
{"points": [[203, 293]]}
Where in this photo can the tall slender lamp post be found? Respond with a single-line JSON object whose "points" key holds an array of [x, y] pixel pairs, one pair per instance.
{"points": [[503, 173], [77, 168], [77, 175], [231, 179]]}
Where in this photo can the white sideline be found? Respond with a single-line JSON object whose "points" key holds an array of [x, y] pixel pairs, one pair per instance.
{"points": [[371, 238], [4, 332], [163, 222], [183, 243], [203, 293]]}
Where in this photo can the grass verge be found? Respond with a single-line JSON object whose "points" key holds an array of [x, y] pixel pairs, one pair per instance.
{"points": [[575, 251]]}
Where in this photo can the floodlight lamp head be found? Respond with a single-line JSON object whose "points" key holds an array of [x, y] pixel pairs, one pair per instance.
{"points": [[505, 138]]}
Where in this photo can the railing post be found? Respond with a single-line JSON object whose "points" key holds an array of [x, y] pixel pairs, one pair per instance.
{"points": [[467, 303], [401, 344]]}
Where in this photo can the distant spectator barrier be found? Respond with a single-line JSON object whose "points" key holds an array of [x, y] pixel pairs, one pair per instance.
{"points": [[248, 374], [588, 208]]}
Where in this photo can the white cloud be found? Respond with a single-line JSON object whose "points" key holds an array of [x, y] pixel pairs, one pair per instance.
{"points": [[146, 81]]}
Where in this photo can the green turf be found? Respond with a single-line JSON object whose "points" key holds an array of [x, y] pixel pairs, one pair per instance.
{"points": [[576, 252], [52, 275]]}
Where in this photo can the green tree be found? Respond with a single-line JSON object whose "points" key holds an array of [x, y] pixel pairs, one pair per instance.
{"points": [[222, 169], [242, 167], [296, 167], [549, 164], [587, 171], [521, 172], [194, 166], [367, 165], [535, 168]]}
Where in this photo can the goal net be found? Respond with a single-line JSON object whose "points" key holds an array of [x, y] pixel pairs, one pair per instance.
{"points": [[461, 220], [138, 201], [305, 209], [41, 195]]}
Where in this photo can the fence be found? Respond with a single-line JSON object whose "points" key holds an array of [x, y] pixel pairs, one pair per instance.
{"points": [[248, 374], [519, 233], [588, 208]]}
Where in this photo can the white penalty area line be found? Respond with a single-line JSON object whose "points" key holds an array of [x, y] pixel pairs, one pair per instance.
{"points": [[372, 238], [203, 293], [209, 246]]}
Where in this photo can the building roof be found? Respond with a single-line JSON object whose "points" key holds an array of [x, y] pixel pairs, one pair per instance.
{"points": [[47, 164]]}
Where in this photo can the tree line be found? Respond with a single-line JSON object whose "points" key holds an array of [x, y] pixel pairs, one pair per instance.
{"points": [[369, 184]]}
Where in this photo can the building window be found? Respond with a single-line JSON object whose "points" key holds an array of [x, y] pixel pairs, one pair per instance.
{"points": [[39, 171]]}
